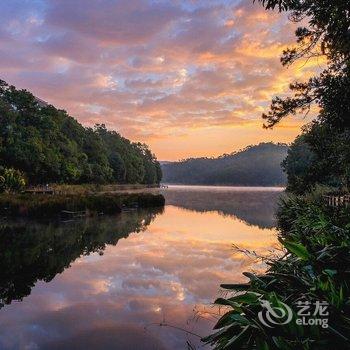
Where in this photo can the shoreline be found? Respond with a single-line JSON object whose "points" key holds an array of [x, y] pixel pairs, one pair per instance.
{"points": [[44, 206], [235, 187]]}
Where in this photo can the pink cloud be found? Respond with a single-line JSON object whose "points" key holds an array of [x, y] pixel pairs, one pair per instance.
{"points": [[151, 68]]}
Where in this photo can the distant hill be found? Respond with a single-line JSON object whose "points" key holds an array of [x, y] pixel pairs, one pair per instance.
{"points": [[258, 165]]}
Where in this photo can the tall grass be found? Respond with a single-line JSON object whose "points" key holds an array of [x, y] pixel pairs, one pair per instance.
{"points": [[97, 188]]}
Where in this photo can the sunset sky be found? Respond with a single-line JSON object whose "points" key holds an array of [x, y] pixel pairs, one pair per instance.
{"points": [[189, 78]]}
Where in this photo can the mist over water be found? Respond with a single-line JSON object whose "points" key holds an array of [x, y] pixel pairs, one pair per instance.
{"points": [[254, 205], [105, 283]]}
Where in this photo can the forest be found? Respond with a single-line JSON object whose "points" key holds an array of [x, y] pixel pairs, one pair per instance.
{"points": [[44, 144], [258, 165]]}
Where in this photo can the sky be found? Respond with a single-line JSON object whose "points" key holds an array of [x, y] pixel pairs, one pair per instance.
{"points": [[189, 78]]}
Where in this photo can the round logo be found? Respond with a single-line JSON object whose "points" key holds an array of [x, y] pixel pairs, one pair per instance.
{"points": [[271, 316]]}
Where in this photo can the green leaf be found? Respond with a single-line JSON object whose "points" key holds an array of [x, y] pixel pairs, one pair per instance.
{"points": [[214, 337], [281, 343], [231, 317], [261, 344], [246, 298], [226, 302], [330, 272], [237, 287], [237, 339], [253, 277], [298, 249]]}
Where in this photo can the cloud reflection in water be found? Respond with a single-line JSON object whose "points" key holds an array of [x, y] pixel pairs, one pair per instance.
{"points": [[160, 274]]}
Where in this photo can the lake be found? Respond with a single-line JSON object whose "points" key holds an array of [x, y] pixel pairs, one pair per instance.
{"points": [[109, 282]]}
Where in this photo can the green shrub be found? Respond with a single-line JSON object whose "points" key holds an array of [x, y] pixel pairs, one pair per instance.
{"points": [[12, 180]]}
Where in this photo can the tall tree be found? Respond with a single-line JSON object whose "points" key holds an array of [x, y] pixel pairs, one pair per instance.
{"points": [[326, 34], [324, 31]]}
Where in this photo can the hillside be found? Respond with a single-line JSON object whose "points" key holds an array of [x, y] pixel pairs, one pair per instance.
{"points": [[258, 165], [48, 145]]}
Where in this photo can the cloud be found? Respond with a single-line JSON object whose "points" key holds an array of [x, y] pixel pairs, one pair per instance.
{"points": [[155, 69], [109, 22]]}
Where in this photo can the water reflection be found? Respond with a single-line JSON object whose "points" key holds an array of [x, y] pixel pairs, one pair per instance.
{"points": [[254, 205], [32, 251], [162, 273]]}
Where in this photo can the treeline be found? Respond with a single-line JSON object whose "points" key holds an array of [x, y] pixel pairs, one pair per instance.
{"points": [[258, 165], [48, 145]]}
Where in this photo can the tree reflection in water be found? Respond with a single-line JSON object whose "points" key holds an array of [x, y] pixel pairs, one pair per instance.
{"points": [[252, 205], [159, 275], [33, 251]]}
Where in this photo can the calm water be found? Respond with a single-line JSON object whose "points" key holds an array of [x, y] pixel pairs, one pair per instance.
{"points": [[106, 283]]}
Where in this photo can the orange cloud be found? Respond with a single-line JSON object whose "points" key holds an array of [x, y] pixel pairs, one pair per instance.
{"points": [[156, 72]]}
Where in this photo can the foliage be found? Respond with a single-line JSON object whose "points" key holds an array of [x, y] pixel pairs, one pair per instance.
{"points": [[11, 180], [50, 146], [315, 267], [258, 165], [324, 32], [297, 165], [318, 156]]}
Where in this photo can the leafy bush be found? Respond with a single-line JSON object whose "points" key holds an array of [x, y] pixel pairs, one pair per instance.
{"points": [[12, 180], [320, 155]]}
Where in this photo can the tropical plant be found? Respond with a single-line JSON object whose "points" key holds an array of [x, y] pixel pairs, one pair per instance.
{"points": [[315, 268]]}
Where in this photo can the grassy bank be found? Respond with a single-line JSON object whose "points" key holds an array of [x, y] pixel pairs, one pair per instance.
{"points": [[314, 269], [48, 206], [97, 188]]}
